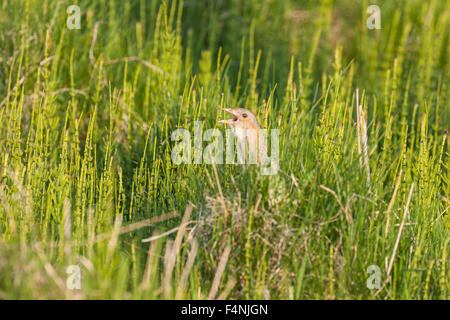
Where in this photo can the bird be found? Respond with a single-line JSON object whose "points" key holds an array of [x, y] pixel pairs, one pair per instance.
{"points": [[245, 126]]}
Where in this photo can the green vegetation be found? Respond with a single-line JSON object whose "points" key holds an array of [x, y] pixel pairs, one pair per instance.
{"points": [[85, 170]]}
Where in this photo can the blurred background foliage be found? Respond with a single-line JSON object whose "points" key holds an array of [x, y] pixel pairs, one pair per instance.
{"points": [[86, 117]]}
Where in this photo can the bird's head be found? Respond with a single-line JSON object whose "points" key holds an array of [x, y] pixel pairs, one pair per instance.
{"points": [[242, 118]]}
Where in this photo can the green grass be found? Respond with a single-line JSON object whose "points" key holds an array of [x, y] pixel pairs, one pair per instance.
{"points": [[85, 123]]}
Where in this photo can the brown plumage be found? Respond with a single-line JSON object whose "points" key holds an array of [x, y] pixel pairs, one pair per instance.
{"points": [[246, 128]]}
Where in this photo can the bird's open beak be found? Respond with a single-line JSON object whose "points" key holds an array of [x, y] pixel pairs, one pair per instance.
{"points": [[233, 112]]}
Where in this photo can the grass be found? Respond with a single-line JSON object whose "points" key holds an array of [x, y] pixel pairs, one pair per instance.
{"points": [[86, 175]]}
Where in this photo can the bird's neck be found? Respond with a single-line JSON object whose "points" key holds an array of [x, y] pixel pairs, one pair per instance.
{"points": [[254, 142]]}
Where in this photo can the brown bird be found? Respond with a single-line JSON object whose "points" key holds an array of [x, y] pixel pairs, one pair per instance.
{"points": [[246, 128]]}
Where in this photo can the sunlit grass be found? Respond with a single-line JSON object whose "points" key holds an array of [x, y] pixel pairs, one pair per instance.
{"points": [[86, 174]]}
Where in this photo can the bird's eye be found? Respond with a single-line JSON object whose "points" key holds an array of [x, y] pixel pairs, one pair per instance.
{"points": [[244, 115]]}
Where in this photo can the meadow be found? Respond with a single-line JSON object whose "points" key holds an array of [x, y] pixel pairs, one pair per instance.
{"points": [[358, 210]]}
